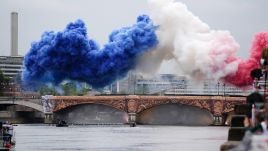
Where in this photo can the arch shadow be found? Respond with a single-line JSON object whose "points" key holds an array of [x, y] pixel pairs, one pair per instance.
{"points": [[175, 114], [91, 113]]}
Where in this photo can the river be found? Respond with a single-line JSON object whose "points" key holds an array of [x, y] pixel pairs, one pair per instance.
{"points": [[119, 138]]}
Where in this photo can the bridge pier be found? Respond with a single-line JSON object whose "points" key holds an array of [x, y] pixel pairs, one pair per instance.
{"points": [[218, 120], [49, 118], [132, 119]]}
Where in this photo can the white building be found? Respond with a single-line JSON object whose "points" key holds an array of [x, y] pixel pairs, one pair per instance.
{"points": [[171, 84], [11, 66]]}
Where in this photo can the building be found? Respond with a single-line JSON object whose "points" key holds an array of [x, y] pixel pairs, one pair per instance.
{"points": [[11, 66], [171, 84], [161, 84]]}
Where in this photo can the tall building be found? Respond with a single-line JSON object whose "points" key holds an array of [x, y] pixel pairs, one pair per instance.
{"points": [[14, 34], [11, 66]]}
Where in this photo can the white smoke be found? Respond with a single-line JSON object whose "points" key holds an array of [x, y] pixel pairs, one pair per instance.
{"points": [[195, 50]]}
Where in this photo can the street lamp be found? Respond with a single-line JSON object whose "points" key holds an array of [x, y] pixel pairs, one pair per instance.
{"points": [[264, 64], [223, 89], [134, 84], [218, 88]]}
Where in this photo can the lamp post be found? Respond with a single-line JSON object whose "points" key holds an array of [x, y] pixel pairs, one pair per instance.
{"points": [[218, 88], [264, 64], [134, 84], [223, 89], [265, 77]]}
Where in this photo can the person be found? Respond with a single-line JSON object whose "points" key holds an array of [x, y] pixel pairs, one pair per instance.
{"points": [[261, 122], [1, 130], [259, 128], [1, 127], [6, 136], [10, 131], [265, 122], [7, 133], [133, 124], [62, 123]]}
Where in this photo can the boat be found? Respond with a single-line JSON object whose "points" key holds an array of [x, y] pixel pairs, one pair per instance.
{"points": [[62, 124]]}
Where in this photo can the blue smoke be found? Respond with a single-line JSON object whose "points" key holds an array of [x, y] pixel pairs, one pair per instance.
{"points": [[71, 55]]}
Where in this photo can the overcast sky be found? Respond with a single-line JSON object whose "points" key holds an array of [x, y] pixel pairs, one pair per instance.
{"points": [[243, 18]]}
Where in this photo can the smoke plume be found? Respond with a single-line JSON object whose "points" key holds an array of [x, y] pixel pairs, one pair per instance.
{"points": [[242, 75], [199, 52], [179, 36], [71, 55]]}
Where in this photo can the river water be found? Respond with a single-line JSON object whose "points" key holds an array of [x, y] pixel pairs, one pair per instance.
{"points": [[119, 138]]}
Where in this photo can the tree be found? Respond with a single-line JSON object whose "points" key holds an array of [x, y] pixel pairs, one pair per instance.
{"points": [[69, 88], [3, 78], [142, 89], [3, 81], [45, 90], [74, 88]]}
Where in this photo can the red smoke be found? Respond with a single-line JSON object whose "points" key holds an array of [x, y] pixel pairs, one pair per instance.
{"points": [[242, 76]]}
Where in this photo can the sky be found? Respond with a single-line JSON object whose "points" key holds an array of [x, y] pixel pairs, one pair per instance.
{"points": [[243, 18]]}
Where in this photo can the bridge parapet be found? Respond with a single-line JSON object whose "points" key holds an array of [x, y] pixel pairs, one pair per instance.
{"points": [[55, 103]]}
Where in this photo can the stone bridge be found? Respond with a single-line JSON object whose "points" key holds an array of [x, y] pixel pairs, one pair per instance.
{"points": [[130, 105], [217, 105], [133, 104]]}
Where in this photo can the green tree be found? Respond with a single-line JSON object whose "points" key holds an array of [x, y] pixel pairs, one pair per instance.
{"points": [[69, 89], [82, 92], [142, 89], [72, 88], [123, 92], [3, 81], [45, 90], [3, 78]]}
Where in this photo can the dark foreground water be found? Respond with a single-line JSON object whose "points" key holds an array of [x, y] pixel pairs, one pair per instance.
{"points": [[119, 138]]}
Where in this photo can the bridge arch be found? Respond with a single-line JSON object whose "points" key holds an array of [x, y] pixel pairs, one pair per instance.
{"points": [[174, 114], [201, 105], [24, 103], [92, 113]]}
